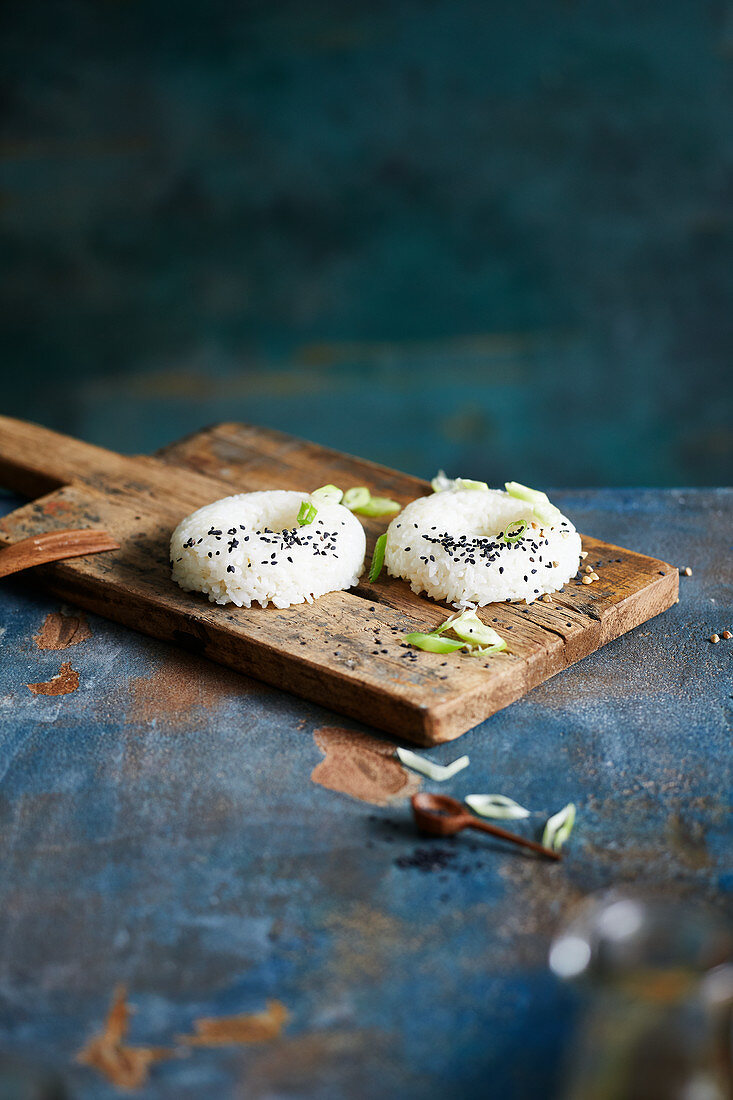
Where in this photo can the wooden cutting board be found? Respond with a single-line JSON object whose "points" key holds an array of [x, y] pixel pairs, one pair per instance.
{"points": [[343, 651]]}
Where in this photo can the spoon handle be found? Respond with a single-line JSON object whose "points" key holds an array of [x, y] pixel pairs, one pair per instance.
{"points": [[54, 546], [496, 830]]}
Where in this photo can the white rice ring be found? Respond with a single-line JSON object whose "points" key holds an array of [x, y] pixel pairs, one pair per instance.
{"points": [[447, 545], [249, 549]]}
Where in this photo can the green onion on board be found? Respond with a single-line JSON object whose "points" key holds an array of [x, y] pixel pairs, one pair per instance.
{"points": [[468, 627], [356, 497], [484, 651], [476, 637], [433, 643], [377, 506], [327, 494]]}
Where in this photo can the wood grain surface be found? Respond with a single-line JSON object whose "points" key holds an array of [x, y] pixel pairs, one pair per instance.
{"points": [[344, 651]]}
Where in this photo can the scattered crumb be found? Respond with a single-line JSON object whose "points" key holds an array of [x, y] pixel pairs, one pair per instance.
{"points": [[584, 554], [64, 682], [686, 572], [714, 638], [587, 580], [727, 635]]}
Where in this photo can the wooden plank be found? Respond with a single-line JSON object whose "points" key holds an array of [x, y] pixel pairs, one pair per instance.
{"points": [[344, 651]]}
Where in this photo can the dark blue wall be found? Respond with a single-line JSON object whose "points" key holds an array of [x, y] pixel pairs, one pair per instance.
{"points": [[492, 237]]}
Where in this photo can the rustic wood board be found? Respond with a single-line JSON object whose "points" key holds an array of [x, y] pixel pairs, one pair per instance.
{"points": [[345, 650]]}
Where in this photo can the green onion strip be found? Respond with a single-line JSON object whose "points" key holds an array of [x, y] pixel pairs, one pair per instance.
{"points": [[327, 494], [475, 637], [307, 513], [433, 643], [515, 535], [378, 557], [559, 827], [356, 498]]}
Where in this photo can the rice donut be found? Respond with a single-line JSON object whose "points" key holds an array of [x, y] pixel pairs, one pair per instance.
{"points": [[249, 549], [450, 546]]}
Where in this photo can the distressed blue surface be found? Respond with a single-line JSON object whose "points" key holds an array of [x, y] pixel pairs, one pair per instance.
{"points": [[431, 234], [189, 855]]}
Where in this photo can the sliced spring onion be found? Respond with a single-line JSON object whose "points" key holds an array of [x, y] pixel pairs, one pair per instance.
{"points": [[466, 483], [437, 772], [360, 500], [543, 509], [327, 494], [468, 627], [514, 531], [432, 643], [378, 557], [307, 513], [442, 484], [377, 506], [356, 497], [523, 492], [496, 805], [559, 827], [479, 651]]}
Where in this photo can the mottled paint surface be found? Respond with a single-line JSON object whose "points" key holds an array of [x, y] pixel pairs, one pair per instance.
{"points": [[159, 827], [433, 234]]}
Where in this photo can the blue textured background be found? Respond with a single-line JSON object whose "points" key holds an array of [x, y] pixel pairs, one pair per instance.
{"points": [[491, 237], [188, 853]]}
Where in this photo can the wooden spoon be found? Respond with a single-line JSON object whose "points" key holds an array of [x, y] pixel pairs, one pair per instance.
{"points": [[55, 546], [439, 815]]}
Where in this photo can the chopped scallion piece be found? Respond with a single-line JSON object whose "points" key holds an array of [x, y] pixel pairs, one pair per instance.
{"points": [[437, 772], [360, 500], [496, 805], [432, 643], [468, 627], [442, 484], [378, 557], [523, 492], [327, 494], [377, 506], [559, 827], [514, 531], [307, 513], [356, 497], [543, 509], [466, 483], [479, 651]]}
